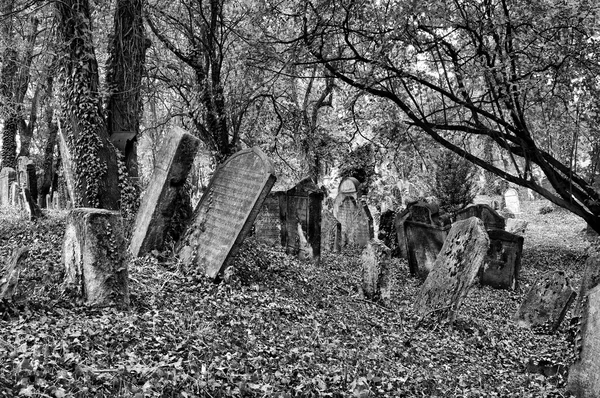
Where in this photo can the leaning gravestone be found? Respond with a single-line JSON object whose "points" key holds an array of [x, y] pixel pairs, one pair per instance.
{"points": [[511, 198], [173, 165], [7, 176], [301, 208], [331, 232], [584, 374], [455, 269], [502, 262], [226, 212], [267, 226], [491, 219], [94, 250], [423, 244], [591, 279], [376, 271], [546, 303]]}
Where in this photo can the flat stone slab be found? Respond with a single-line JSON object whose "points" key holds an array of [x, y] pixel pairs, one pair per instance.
{"points": [[173, 165], [226, 211], [454, 271], [584, 374], [546, 303]]}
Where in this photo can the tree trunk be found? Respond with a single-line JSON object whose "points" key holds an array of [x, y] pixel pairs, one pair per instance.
{"points": [[94, 157], [51, 130], [7, 88], [124, 75]]}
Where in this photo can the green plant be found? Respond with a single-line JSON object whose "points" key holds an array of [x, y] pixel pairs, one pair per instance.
{"points": [[454, 185]]}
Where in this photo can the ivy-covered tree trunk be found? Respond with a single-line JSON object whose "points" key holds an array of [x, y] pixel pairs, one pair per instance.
{"points": [[94, 157], [127, 50], [8, 76], [52, 131]]}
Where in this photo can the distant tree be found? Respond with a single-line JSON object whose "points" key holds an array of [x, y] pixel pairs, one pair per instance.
{"points": [[509, 72], [454, 185]]}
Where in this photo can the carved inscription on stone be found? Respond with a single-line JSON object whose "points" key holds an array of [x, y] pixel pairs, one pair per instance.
{"points": [[227, 210], [267, 226]]}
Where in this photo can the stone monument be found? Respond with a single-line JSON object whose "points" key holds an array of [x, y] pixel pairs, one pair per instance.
{"points": [[423, 244], [511, 198], [7, 176], [226, 212], [267, 226], [502, 262]]}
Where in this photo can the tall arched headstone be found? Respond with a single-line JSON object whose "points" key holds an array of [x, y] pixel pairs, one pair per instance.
{"points": [[226, 211]]}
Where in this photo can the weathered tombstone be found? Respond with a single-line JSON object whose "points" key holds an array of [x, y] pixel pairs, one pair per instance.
{"points": [[15, 195], [423, 212], [331, 232], [7, 176], [546, 303], [302, 205], [491, 219], [22, 175], [226, 211], [349, 187], [376, 271], [357, 225], [516, 226], [455, 269], [387, 231], [423, 244], [584, 374], [8, 281], [94, 251], [157, 208], [511, 198], [267, 226], [502, 262]]}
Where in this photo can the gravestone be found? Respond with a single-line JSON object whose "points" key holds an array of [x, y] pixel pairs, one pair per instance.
{"points": [[94, 253], [590, 279], [516, 226], [331, 232], [348, 187], [546, 303], [502, 263], [357, 224], [376, 271], [226, 212], [267, 226], [22, 174], [491, 219], [302, 206], [15, 194], [423, 244], [7, 176], [423, 212], [511, 198], [584, 374], [387, 231], [157, 208], [455, 269]]}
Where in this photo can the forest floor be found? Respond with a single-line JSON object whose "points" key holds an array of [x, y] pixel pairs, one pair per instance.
{"points": [[277, 328]]}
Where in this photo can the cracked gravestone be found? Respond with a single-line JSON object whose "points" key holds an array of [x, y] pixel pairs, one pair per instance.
{"points": [[94, 251], [455, 269], [423, 244], [502, 262], [226, 212], [376, 271], [584, 374], [173, 165], [546, 303]]}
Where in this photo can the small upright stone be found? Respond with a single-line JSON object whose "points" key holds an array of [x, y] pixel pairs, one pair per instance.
{"points": [[511, 198], [94, 255], [455, 269], [546, 303], [376, 273], [502, 264], [7, 176], [173, 165], [584, 374]]}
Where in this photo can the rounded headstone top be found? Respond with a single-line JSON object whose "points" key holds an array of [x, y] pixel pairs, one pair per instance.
{"points": [[349, 185]]}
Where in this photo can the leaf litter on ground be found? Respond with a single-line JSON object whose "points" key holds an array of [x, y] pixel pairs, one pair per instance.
{"points": [[276, 327]]}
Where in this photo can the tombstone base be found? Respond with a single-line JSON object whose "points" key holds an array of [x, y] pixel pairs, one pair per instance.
{"points": [[94, 250]]}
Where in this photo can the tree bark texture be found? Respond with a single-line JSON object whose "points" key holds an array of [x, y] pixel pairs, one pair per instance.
{"points": [[83, 128]]}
